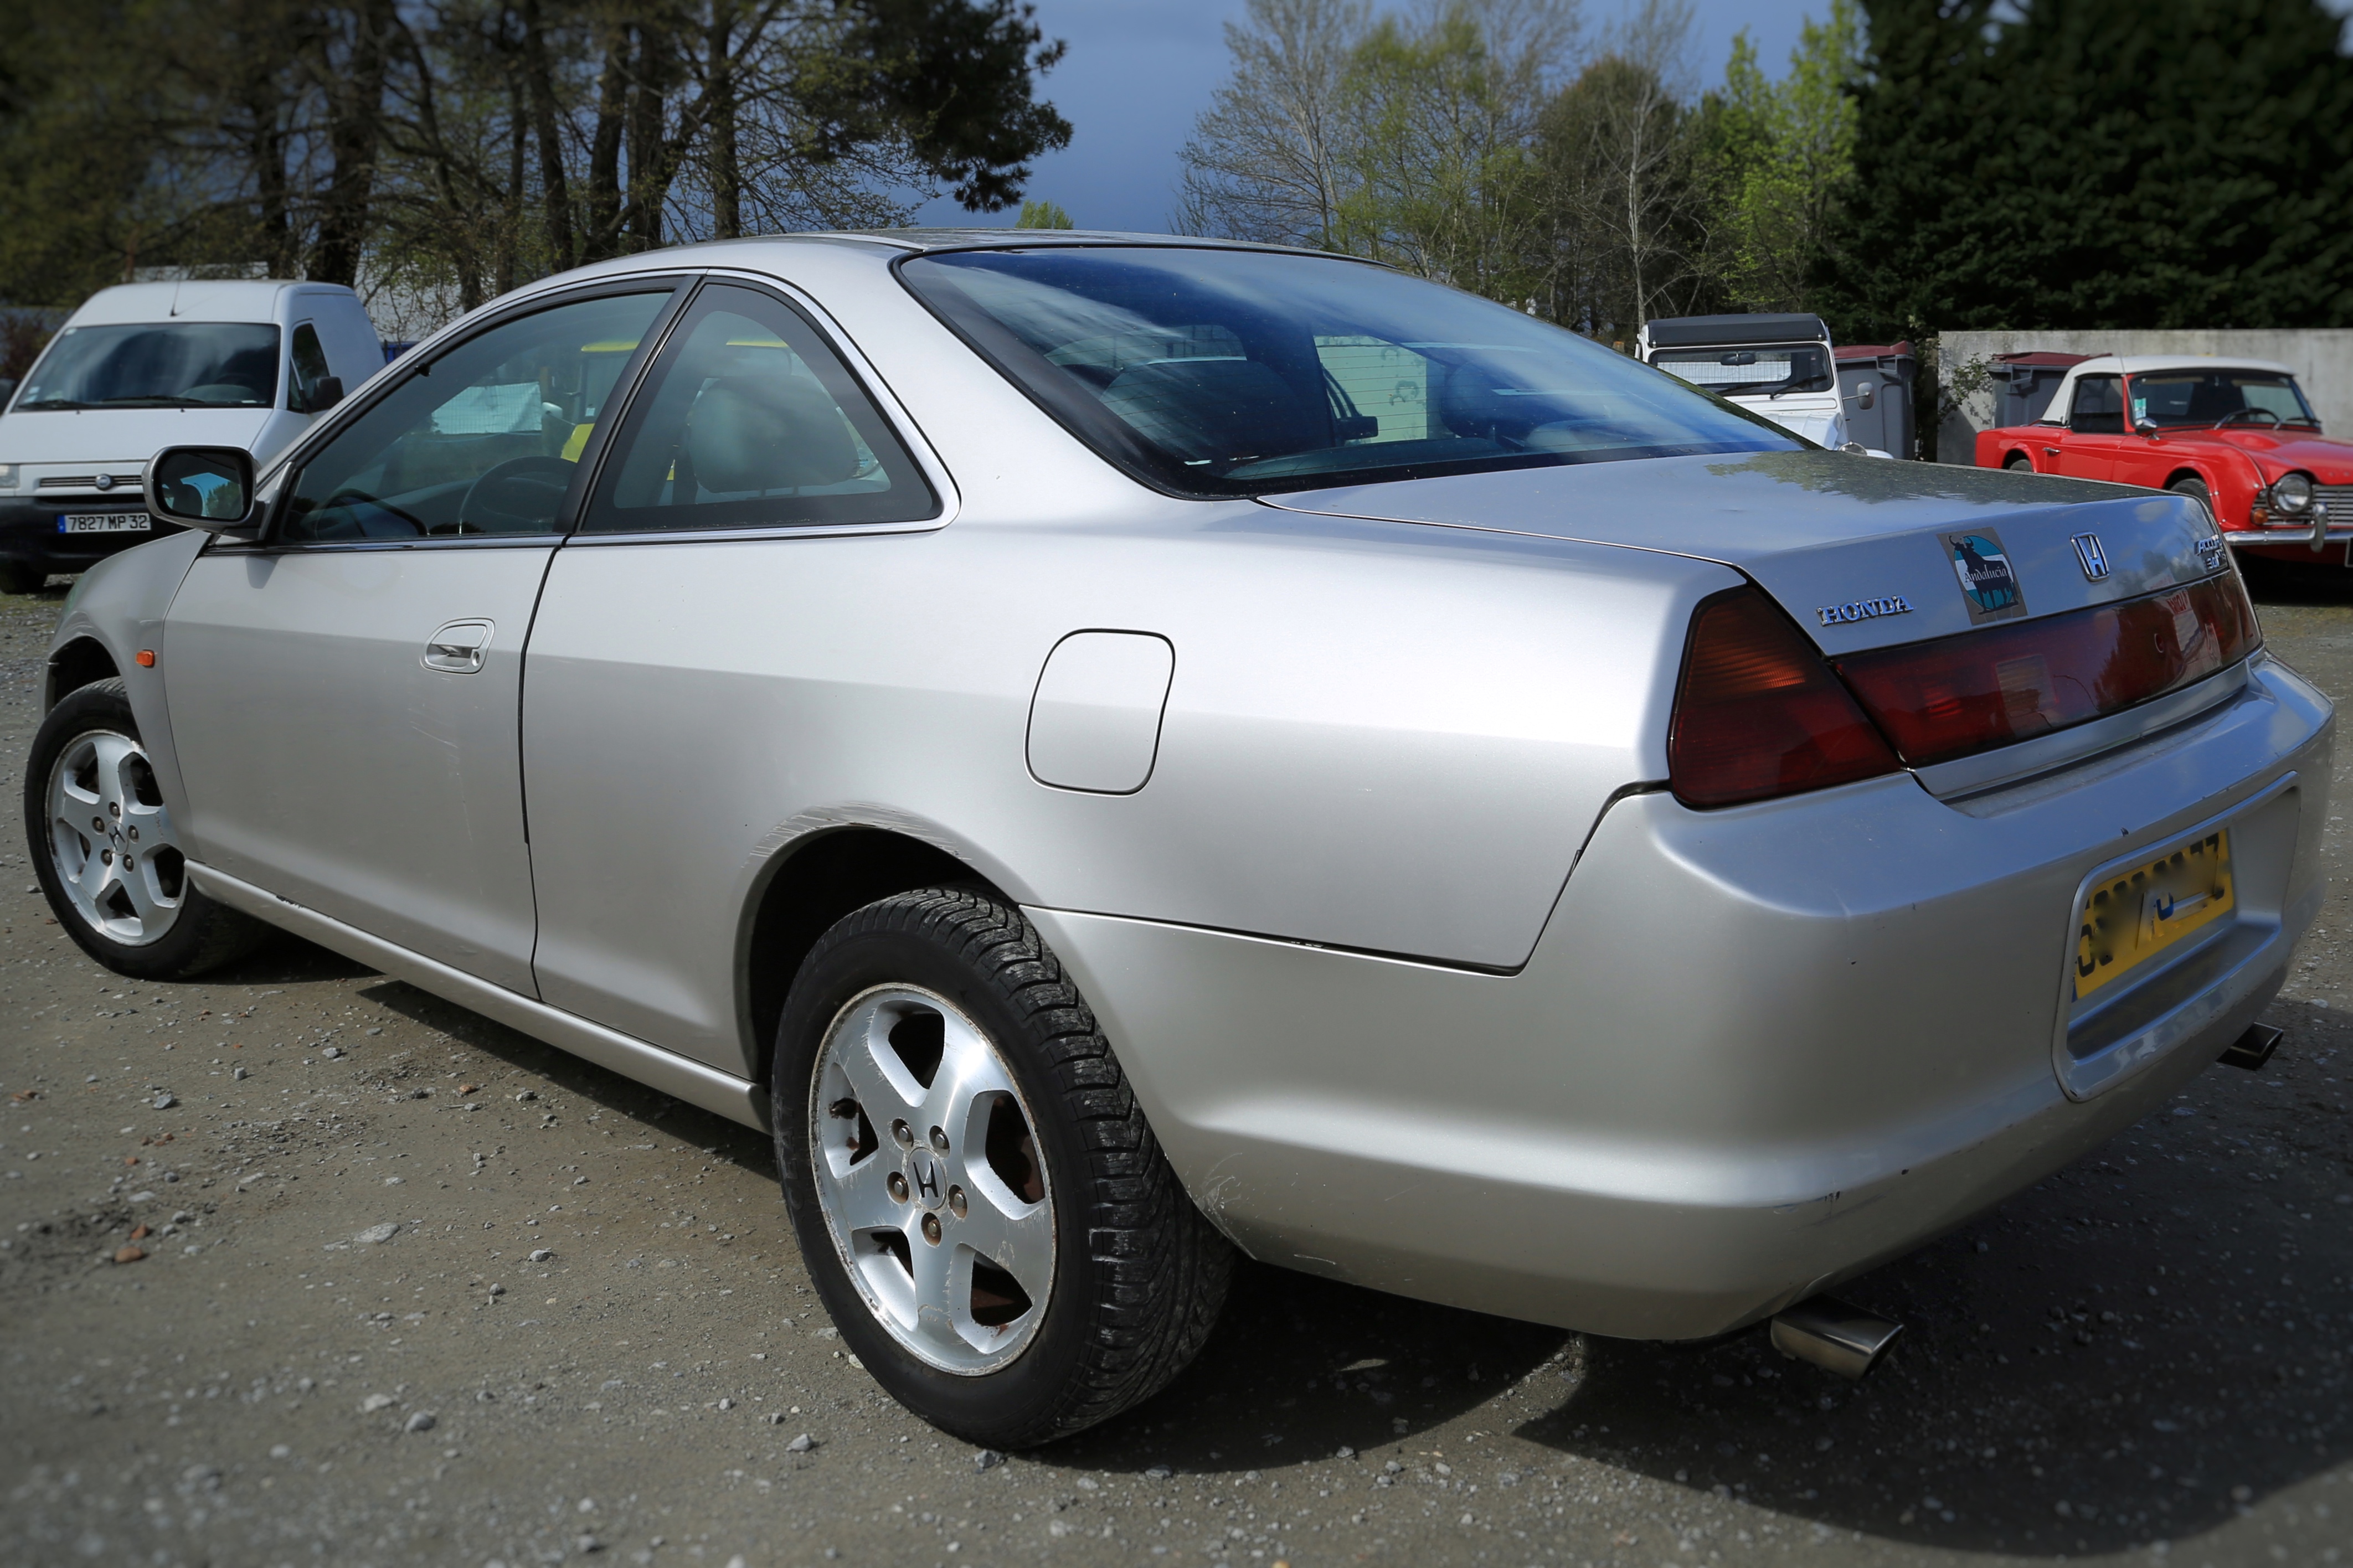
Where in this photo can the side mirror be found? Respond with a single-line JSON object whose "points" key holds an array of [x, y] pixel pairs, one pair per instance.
{"points": [[1865, 394], [325, 393], [2146, 427], [209, 487]]}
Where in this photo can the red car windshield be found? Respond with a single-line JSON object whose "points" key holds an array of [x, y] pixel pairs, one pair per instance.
{"points": [[2172, 399]]}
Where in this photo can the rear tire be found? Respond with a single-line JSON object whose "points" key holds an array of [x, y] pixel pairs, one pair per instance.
{"points": [[106, 852], [2019, 461], [905, 1016]]}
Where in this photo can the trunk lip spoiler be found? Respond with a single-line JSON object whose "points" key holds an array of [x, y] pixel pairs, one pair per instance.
{"points": [[2007, 765]]}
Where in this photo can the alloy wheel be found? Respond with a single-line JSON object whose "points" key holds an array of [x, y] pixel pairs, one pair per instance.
{"points": [[116, 853], [928, 1172]]}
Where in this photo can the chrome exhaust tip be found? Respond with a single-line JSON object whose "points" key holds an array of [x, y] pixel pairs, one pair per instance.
{"points": [[1834, 1336], [2254, 1049]]}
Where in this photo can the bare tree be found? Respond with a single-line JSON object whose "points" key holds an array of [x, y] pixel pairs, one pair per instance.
{"points": [[1619, 147], [1444, 112], [1268, 158]]}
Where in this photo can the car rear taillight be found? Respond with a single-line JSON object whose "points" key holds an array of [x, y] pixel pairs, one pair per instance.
{"points": [[1976, 690], [1759, 714]]}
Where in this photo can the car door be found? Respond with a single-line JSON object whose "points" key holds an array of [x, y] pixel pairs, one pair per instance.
{"points": [[689, 680], [346, 693], [2095, 429]]}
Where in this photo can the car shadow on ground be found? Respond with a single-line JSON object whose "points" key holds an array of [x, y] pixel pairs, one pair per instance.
{"points": [[2132, 1351], [290, 960], [2324, 580]]}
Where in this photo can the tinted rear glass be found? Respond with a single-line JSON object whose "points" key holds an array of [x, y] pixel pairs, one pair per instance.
{"points": [[177, 365], [1243, 373], [1747, 371]]}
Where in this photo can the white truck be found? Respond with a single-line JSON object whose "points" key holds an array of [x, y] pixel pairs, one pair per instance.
{"points": [[149, 365], [1782, 366]]}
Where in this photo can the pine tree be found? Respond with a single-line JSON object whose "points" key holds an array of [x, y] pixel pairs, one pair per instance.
{"points": [[2098, 164], [1908, 244]]}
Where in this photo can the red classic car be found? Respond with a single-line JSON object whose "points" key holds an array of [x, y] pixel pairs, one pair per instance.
{"points": [[2237, 434]]}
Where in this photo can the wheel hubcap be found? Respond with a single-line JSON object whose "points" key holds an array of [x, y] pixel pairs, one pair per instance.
{"points": [[111, 841], [928, 1172]]}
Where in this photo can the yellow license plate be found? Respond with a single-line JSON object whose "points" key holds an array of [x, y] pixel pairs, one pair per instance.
{"points": [[2134, 915]]}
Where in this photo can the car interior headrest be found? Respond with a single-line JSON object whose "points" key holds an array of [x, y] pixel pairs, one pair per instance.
{"points": [[1216, 408], [751, 434]]}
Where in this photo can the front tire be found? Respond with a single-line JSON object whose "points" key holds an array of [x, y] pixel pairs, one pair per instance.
{"points": [[983, 1209], [106, 850]]}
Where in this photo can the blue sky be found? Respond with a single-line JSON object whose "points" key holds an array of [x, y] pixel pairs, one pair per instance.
{"points": [[1139, 71]]}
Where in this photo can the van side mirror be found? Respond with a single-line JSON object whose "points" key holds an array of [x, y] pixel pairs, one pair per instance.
{"points": [[1866, 392], [210, 488], [325, 393]]}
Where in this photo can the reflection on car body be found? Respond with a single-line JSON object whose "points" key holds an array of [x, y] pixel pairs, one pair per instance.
{"points": [[1121, 751]]}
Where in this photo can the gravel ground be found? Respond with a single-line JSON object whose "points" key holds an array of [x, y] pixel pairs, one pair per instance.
{"points": [[300, 1266]]}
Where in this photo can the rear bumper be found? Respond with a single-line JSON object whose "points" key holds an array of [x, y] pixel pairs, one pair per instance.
{"points": [[29, 536], [1757, 1051]]}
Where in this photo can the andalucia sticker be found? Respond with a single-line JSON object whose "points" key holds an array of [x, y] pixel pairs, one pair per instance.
{"points": [[1988, 583]]}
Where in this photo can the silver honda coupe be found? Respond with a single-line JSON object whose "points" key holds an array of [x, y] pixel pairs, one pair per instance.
{"points": [[1126, 750]]}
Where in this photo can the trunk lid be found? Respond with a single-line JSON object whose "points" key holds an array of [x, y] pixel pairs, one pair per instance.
{"points": [[1862, 552]]}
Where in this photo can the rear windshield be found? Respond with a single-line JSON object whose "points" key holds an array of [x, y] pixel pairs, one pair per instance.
{"points": [[1763, 370], [170, 364], [2183, 397], [1224, 373]]}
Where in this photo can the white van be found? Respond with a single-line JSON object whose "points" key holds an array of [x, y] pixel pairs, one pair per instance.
{"points": [[1780, 366], [149, 365]]}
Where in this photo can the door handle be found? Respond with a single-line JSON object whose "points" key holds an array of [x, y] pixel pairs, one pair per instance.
{"points": [[458, 648], [2049, 451]]}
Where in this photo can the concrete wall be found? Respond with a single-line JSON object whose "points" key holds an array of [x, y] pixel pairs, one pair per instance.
{"points": [[2322, 358]]}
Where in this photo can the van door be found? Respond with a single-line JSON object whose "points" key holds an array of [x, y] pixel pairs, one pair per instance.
{"points": [[306, 367]]}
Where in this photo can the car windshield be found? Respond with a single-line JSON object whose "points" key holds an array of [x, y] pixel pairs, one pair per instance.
{"points": [[1223, 373], [1765, 369], [2169, 398], [158, 364]]}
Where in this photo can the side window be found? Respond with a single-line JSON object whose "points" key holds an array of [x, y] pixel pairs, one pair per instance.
{"points": [[309, 367], [480, 440], [748, 420], [2099, 407]]}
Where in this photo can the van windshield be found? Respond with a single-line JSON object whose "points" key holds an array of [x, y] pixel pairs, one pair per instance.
{"points": [[1236, 372], [156, 364]]}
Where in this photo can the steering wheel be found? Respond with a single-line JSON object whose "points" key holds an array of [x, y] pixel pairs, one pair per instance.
{"points": [[518, 496], [2238, 413]]}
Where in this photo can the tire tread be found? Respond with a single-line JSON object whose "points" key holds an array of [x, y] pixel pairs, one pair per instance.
{"points": [[1162, 1268]]}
